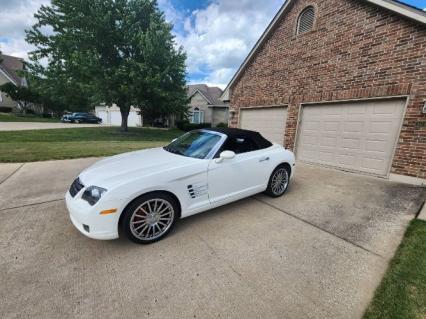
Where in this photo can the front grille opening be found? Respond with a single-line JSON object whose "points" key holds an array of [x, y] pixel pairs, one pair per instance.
{"points": [[76, 186]]}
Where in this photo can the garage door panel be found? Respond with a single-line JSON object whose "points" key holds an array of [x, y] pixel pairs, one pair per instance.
{"points": [[347, 159], [357, 136], [351, 143], [331, 126], [380, 127], [372, 165], [326, 156], [311, 140], [351, 126], [328, 142], [361, 110], [270, 122], [376, 146], [389, 109]]}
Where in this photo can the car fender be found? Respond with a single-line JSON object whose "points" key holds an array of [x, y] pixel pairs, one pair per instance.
{"points": [[279, 155], [174, 181]]}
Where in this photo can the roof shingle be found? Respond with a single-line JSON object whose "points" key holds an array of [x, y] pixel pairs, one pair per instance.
{"points": [[212, 94], [11, 66]]}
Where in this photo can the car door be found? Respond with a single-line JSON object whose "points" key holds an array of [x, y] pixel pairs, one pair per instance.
{"points": [[244, 175]]}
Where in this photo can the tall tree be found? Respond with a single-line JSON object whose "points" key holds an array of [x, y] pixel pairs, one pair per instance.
{"points": [[114, 51]]}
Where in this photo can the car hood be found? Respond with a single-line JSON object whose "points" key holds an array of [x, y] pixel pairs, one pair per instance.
{"points": [[129, 166]]}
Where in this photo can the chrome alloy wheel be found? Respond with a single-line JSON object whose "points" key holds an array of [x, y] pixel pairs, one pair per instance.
{"points": [[152, 219], [279, 181]]}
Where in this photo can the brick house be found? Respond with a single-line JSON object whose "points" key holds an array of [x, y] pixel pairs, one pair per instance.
{"points": [[342, 83]]}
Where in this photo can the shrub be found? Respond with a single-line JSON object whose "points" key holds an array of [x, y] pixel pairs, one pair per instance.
{"points": [[181, 124], [5, 109], [186, 126], [222, 125]]}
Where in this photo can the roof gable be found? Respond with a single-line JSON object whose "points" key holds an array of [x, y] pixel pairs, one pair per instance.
{"points": [[210, 94], [10, 67], [397, 7], [198, 92]]}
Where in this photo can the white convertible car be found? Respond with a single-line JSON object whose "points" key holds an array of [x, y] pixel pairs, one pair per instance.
{"points": [[142, 194]]}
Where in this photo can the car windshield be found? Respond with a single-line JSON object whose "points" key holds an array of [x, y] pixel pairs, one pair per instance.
{"points": [[196, 144]]}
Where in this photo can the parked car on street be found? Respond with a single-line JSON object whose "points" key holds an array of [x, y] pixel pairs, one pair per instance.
{"points": [[141, 194], [81, 118]]}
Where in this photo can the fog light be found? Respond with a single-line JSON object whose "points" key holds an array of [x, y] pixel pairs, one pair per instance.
{"points": [[86, 228]]}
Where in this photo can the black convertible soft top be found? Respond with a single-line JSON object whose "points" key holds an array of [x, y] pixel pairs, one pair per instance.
{"points": [[256, 137]]}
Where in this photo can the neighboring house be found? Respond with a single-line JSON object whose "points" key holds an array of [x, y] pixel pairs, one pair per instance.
{"points": [[111, 115], [342, 83], [9, 69], [206, 106]]}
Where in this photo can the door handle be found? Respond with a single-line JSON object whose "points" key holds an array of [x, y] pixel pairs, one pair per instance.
{"points": [[264, 159]]}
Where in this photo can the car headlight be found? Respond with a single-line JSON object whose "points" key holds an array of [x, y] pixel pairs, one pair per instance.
{"points": [[93, 194]]}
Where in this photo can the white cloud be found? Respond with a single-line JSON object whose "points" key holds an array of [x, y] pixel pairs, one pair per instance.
{"points": [[219, 37], [216, 38], [15, 17], [17, 47]]}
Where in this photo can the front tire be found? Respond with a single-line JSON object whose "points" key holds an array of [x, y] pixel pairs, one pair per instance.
{"points": [[150, 218], [279, 181]]}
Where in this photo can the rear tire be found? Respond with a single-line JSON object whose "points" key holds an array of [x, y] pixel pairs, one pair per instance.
{"points": [[278, 182], [150, 218]]}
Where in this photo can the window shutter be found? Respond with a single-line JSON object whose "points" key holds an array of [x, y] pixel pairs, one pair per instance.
{"points": [[306, 20]]}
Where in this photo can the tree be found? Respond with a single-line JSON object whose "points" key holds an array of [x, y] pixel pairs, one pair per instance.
{"points": [[113, 51], [57, 95]]}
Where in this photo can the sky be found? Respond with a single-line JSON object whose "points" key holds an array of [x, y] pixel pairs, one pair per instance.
{"points": [[216, 34]]}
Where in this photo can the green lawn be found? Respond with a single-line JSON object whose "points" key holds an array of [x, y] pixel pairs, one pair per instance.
{"points": [[40, 145], [10, 117], [402, 293]]}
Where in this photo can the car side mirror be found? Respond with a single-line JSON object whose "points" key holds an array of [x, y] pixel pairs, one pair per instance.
{"points": [[225, 155]]}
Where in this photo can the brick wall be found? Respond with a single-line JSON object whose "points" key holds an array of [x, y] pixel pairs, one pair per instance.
{"points": [[356, 50]]}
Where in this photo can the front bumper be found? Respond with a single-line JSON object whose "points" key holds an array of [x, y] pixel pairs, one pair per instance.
{"points": [[88, 221]]}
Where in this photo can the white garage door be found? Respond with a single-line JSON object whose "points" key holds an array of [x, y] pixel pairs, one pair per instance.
{"points": [[103, 115], [270, 122], [359, 136], [115, 117], [133, 120]]}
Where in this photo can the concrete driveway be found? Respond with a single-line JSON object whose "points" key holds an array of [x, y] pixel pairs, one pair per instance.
{"points": [[24, 126], [317, 252]]}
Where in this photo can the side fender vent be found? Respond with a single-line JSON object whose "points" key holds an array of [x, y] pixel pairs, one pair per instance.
{"points": [[197, 190]]}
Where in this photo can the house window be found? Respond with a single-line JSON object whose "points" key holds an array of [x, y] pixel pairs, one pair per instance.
{"points": [[197, 116], [306, 20]]}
